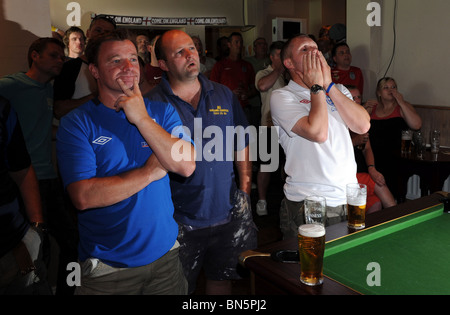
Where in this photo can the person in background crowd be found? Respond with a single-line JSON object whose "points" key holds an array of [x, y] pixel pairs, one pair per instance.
{"points": [[22, 269], [222, 48], [260, 60], [390, 114], [378, 194], [153, 73], [75, 42], [266, 81], [343, 72], [236, 73], [144, 85], [31, 96], [206, 63], [338, 33], [57, 33], [142, 41], [75, 85]]}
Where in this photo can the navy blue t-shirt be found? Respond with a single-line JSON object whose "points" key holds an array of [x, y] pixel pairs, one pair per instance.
{"points": [[206, 197]]}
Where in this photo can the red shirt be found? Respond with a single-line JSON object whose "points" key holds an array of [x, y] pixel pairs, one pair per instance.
{"points": [[153, 74], [234, 75], [349, 77], [395, 113]]}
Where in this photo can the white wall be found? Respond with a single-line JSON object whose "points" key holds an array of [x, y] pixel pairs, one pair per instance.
{"points": [[232, 9], [238, 12], [420, 63], [21, 22]]}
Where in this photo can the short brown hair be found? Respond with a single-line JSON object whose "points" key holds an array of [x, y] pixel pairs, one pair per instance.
{"points": [[285, 51], [104, 18], [93, 46], [72, 29], [40, 44]]}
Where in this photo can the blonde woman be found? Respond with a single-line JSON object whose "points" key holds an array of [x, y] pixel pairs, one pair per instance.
{"points": [[390, 114]]}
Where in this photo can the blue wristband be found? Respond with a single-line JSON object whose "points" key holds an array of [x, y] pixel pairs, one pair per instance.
{"points": [[329, 87]]}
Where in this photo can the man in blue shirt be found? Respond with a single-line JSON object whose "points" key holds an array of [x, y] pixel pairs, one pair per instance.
{"points": [[214, 215], [114, 154]]}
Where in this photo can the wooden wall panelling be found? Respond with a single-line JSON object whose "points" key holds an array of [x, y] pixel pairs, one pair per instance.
{"points": [[435, 117]]}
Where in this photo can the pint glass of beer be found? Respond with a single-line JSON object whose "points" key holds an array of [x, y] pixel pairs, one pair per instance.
{"points": [[356, 206], [311, 244], [315, 210], [406, 142]]}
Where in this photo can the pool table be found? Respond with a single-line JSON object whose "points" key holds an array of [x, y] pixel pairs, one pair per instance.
{"points": [[403, 250]]}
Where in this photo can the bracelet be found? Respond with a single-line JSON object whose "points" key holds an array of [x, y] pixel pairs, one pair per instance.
{"points": [[329, 87], [371, 165]]}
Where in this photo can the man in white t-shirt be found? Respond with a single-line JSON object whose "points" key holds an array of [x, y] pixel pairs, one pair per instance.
{"points": [[266, 81], [314, 116]]}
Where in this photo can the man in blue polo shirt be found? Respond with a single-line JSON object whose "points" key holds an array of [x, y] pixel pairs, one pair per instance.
{"points": [[214, 215], [114, 153]]}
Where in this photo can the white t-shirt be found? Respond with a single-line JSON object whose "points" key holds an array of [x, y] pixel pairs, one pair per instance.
{"points": [[312, 168], [85, 83], [266, 117]]}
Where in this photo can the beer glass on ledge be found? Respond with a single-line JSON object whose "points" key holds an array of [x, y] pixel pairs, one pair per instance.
{"points": [[356, 206], [315, 210], [435, 141], [406, 142], [311, 243]]}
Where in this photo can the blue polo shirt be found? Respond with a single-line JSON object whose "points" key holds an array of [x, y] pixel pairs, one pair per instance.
{"points": [[96, 141], [206, 197]]}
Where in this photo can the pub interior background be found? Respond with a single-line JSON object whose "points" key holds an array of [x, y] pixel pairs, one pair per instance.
{"points": [[409, 43]]}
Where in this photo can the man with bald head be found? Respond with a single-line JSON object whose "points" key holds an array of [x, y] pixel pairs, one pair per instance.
{"points": [[213, 213], [314, 116]]}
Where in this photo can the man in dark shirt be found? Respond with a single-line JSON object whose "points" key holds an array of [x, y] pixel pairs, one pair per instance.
{"points": [[213, 231], [21, 268], [75, 86]]}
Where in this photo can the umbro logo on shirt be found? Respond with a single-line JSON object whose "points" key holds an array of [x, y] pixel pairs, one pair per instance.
{"points": [[102, 140]]}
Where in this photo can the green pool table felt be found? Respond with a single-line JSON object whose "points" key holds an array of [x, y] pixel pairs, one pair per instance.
{"points": [[412, 253]]}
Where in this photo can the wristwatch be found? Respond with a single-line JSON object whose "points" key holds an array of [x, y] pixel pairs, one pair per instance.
{"points": [[315, 89]]}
